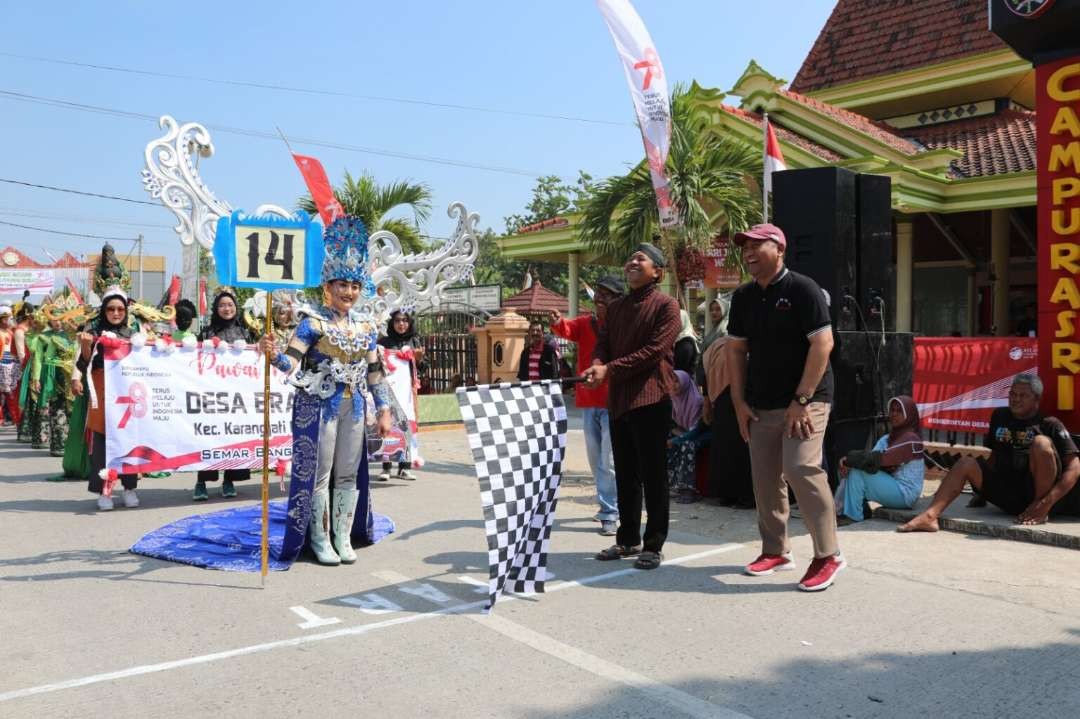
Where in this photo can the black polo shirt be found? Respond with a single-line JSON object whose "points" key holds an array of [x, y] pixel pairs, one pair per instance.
{"points": [[777, 322]]}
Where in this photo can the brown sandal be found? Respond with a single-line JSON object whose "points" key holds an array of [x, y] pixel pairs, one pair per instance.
{"points": [[617, 551], [649, 560]]}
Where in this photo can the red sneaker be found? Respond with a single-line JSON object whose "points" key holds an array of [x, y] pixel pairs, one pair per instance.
{"points": [[769, 563], [822, 572]]}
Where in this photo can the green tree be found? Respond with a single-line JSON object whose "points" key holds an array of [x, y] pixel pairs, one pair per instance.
{"points": [[713, 182], [552, 198], [365, 198]]}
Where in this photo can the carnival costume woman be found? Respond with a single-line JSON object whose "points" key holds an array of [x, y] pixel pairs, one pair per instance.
{"points": [[401, 352], [47, 384], [10, 368], [224, 329], [112, 319], [339, 389]]}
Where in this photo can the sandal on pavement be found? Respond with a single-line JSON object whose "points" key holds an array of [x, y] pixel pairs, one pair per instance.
{"points": [[617, 551], [649, 560]]}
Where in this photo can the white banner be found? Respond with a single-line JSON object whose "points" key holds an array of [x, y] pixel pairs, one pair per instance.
{"points": [[15, 282], [649, 90], [191, 408]]}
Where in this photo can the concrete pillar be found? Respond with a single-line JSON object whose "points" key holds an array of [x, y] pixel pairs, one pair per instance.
{"points": [[498, 347], [999, 257], [905, 253], [574, 281]]}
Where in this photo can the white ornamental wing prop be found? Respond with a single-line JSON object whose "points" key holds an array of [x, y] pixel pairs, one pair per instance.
{"points": [[172, 176], [409, 281]]}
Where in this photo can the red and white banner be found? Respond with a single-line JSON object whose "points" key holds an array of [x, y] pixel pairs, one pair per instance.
{"points": [[649, 91], [958, 382], [15, 282], [190, 408], [322, 192]]}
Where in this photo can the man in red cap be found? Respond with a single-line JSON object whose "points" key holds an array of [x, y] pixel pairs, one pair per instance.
{"points": [[781, 386]]}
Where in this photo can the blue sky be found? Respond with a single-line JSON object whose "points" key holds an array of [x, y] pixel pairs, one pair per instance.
{"points": [[552, 57]]}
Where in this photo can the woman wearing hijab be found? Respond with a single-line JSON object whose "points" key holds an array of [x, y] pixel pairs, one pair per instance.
{"points": [[729, 456], [225, 325], [686, 345], [690, 434], [112, 320], [401, 352], [891, 473]]}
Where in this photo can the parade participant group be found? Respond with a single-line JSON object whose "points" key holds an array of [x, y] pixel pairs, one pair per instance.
{"points": [[770, 375]]}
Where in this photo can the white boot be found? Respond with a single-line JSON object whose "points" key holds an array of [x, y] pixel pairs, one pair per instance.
{"points": [[344, 510], [320, 528]]}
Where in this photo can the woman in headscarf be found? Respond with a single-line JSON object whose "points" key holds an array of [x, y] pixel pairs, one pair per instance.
{"points": [[729, 456], [689, 434], [686, 345], [891, 473], [225, 326], [401, 352], [112, 320], [10, 368]]}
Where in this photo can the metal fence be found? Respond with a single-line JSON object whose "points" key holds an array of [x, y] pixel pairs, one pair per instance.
{"points": [[449, 350]]}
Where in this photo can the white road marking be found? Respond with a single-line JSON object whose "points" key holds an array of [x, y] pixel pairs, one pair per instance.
{"points": [[481, 585], [312, 620], [422, 589], [312, 638], [372, 603], [658, 691]]}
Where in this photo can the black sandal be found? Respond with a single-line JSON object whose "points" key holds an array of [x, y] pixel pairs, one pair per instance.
{"points": [[649, 560], [617, 551]]}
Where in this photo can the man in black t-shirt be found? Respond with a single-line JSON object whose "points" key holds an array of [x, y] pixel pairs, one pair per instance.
{"points": [[1032, 469], [781, 386]]}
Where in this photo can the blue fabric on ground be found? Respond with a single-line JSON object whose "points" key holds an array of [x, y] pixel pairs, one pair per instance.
{"points": [[230, 539]]}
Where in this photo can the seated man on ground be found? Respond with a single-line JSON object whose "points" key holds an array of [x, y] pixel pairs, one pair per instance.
{"points": [[1032, 469]]}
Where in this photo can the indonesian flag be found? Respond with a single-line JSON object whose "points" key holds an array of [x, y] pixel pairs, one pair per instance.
{"points": [[774, 159], [319, 187], [649, 91]]}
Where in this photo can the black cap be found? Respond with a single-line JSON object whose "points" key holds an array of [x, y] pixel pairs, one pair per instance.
{"points": [[612, 283], [653, 252]]}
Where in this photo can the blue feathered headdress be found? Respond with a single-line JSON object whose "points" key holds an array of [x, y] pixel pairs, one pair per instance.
{"points": [[346, 256]]}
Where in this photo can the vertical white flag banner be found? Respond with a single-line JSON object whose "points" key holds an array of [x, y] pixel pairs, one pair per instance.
{"points": [[649, 91]]}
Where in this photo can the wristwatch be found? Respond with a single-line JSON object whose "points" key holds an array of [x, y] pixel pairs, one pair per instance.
{"points": [[802, 399]]}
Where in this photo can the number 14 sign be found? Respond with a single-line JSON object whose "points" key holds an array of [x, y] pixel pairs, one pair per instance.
{"points": [[268, 251]]}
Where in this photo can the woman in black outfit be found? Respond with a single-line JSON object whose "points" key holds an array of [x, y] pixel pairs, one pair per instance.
{"points": [[225, 325], [401, 336]]}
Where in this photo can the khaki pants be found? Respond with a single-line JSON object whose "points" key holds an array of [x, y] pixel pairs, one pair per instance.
{"points": [[778, 461]]}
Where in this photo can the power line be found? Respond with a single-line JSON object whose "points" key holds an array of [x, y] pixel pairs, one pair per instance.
{"points": [[312, 91], [262, 134], [43, 215], [68, 234], [78, 192]]}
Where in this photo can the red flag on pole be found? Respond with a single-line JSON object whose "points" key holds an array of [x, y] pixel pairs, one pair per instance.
{"points": [[202, 297], [174, 290], [774, 162], [319, 186], [74, 292]]}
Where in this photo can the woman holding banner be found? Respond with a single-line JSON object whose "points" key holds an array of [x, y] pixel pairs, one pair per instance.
{"points": [[401, 352], [112, 320], [225, 326], [341, 389]]}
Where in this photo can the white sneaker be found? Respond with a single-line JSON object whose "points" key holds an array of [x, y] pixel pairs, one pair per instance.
{"points": [[406, 474], [131, 500], [104, 503], [385, 476]]}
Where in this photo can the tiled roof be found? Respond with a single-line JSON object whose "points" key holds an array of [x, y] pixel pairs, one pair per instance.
{"points": [[784, 135], [992, 145], [866, 38], [23, 262], [544, 225], [537, 298], [877, 130]]}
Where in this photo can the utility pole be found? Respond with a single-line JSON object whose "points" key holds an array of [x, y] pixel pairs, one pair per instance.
{"points": [[141, 297]]}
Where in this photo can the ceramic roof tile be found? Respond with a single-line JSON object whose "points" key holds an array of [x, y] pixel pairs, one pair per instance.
{"points": [[992, 145]]}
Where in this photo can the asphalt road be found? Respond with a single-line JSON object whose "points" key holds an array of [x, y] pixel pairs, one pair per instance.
{"points": [[942, 625]]}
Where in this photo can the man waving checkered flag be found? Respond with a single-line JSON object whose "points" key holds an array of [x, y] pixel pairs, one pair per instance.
{"points": [[517, 433]]}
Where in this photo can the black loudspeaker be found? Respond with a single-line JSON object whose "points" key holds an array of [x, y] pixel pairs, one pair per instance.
{"points": [[875, 273], [816, 209], [866, 374]]}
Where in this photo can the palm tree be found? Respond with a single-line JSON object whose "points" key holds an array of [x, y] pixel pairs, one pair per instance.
{"points": [[712, 183], [363, 197]]}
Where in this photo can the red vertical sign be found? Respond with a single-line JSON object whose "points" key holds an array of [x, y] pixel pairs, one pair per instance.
{"points": [[1058, 143]]}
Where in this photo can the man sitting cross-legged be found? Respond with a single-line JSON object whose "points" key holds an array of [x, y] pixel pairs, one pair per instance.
{"points": [[1032, 469]]}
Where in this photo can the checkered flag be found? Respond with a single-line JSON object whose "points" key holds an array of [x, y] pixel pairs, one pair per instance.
{"points": [[517, 433]]}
